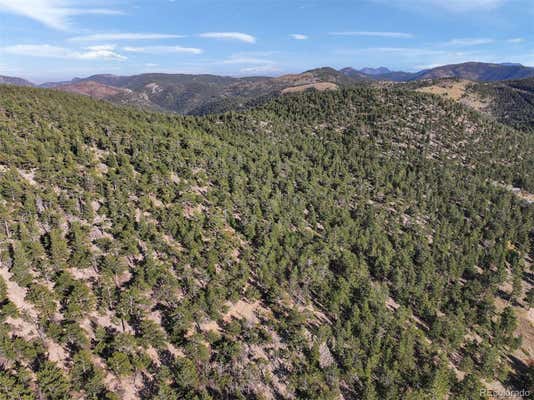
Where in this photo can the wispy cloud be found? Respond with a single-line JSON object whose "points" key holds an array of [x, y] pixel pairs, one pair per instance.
{"points": [[242, 37], [516, 40], [163, 49], [448, 5], [465, 5], [253, 62], [56, 14], [396, 35], [299, 36], [262, 69], [109, 47], [102, 52], [469, 42], [124, 36]]}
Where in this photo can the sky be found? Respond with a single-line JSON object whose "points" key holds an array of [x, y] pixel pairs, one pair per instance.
{"points": [[51, 40]]}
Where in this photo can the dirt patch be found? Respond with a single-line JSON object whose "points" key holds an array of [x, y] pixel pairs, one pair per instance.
{"points": [[321, 86], [175, 351], [457, 90], [450, 89], [22, 328], [192, 211], [106, 321], [498, 387], [209, 325], [392, 304], [29, 176], [525, 328], [520, 193], [56, 353], [92, 89], [17, 294], [127, 388], [84, 274], [243, 310]]}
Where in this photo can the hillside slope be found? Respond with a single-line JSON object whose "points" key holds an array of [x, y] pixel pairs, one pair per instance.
{"points": [[477, 71], [352, 244], [509, 102], [203, 94]]}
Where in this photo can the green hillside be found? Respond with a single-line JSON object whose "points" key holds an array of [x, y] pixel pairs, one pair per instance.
{"points": [[512, 102], [362, 243]]}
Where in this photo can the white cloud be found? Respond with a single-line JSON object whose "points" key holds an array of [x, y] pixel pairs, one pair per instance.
{"points": [[162, 49], [55, 14], [261, 69], [516, 40], [469, 42], [467, 5], [449, 5], [253, 62], [396, 35], [99, 47], [124, 36], [95, 54], [298, 36], [427, 66], [103, 52], [242, 37]]}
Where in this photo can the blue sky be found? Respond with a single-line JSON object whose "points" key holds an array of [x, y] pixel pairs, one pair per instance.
{"points": [[59, 39]]}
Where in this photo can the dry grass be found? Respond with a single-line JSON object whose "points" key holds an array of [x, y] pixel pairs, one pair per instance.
{"points": [[321, 86], [457, 90]]}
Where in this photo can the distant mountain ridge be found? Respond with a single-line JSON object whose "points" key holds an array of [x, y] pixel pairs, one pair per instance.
{"points": [[354, 73], [11, 80], [375, 71], [202, 94], [474, 71], [199, 94]]}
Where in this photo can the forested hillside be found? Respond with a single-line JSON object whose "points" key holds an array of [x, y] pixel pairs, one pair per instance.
{"points": [[509, 102], [201, 94], [512, 102], [357, 244]]}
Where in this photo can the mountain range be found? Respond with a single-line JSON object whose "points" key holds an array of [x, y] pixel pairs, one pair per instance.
{"points": [[499, 90], [475, 71], [199, 94]]}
